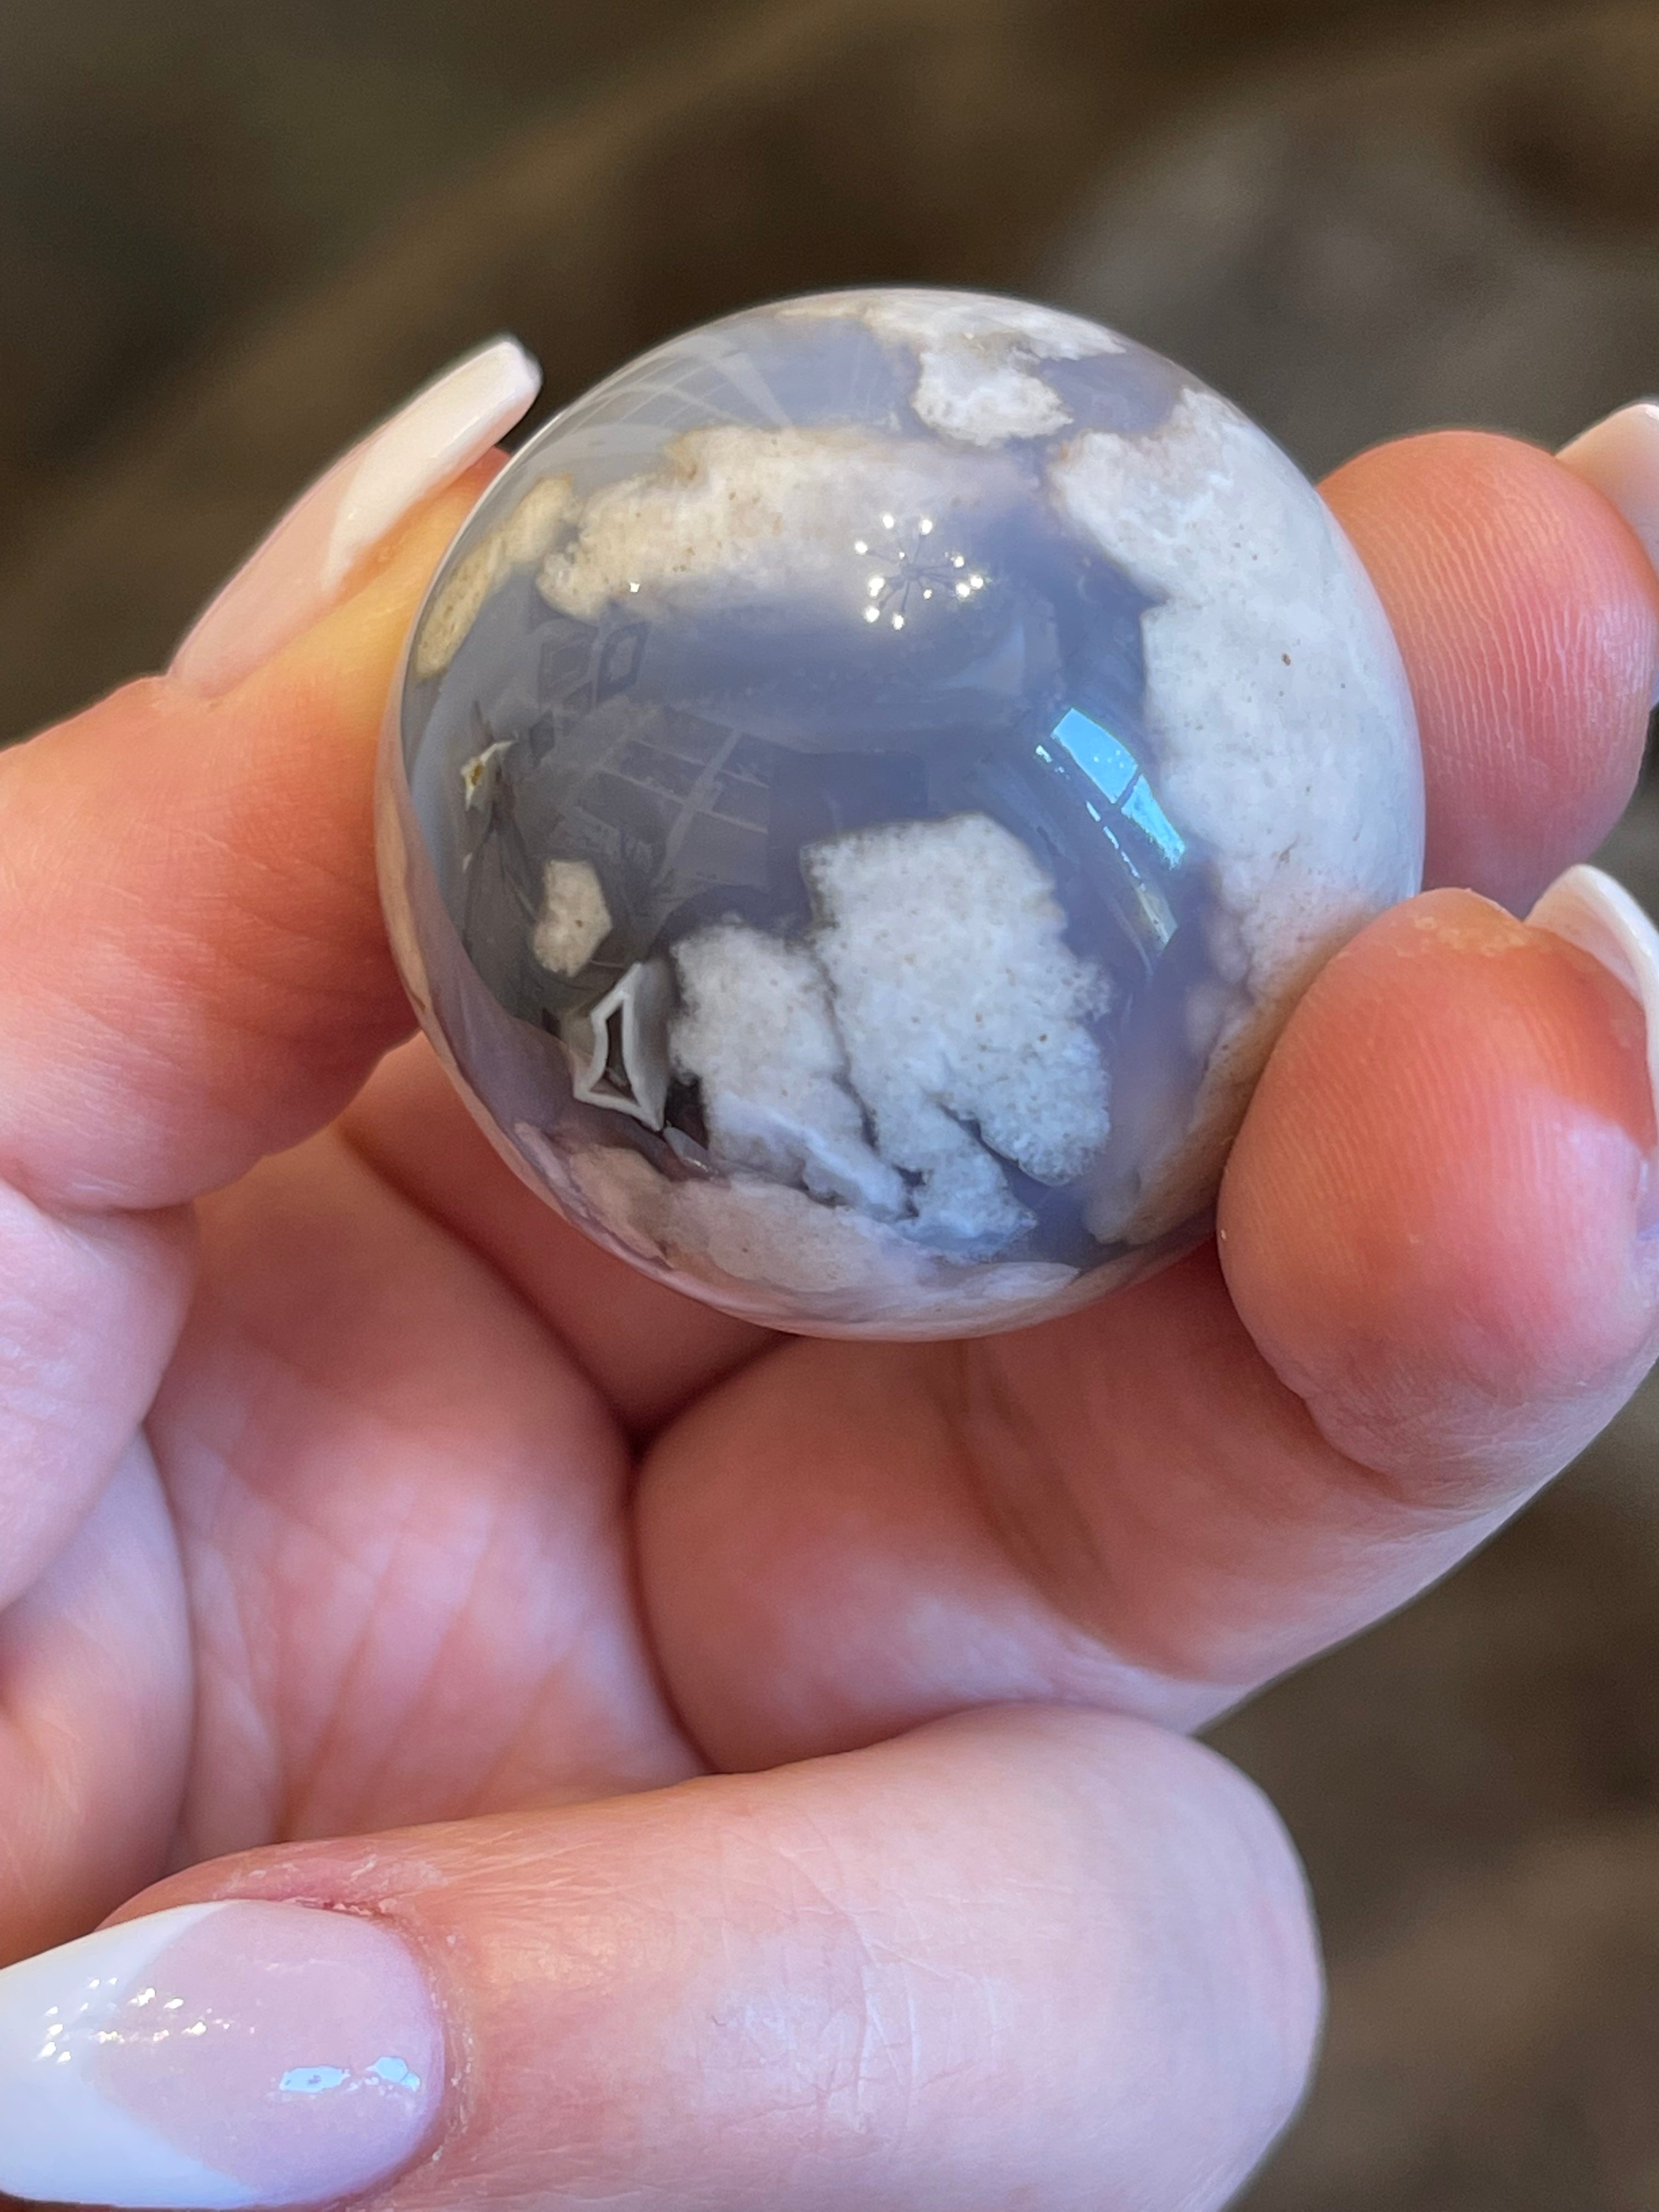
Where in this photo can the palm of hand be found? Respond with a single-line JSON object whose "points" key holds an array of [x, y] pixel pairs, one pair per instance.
{"points": [[425, 1574]]}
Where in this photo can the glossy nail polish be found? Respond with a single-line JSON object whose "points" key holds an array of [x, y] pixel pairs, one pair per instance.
{"points": [[234, 2054], [297, 573], [1620, 456], [1590, 910]]}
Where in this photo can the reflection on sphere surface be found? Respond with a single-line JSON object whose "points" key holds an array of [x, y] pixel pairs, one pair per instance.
{"points": [[868, 785]]}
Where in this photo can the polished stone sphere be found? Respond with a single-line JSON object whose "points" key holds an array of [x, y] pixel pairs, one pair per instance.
{"points": [[867, 787]]}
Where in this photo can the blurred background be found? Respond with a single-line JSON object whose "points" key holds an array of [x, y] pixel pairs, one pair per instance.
{"points": [[231, 235]]}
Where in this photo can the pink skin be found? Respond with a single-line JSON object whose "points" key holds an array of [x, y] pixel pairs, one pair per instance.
{"points": [[437, 1517], [269, 1996]]}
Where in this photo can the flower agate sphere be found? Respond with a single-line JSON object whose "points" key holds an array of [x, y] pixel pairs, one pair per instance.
{"points": [[865, 789]]}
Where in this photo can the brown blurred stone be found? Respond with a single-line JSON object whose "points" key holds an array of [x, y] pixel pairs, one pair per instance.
{"points": [[816, 142], [822, 142], [165, 171], [1498, 2048], [1456, 230], [1475, 1788]]}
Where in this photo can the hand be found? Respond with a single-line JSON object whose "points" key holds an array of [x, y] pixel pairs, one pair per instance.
{"points": [[675, 1767]]}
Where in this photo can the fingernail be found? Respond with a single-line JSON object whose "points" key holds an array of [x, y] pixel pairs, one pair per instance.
{"points": [[295, 574], [1590, 910], [217, 2055], [1620, 456]]}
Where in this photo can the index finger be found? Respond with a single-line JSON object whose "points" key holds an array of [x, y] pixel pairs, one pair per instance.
{"points": [[1526, 610]]}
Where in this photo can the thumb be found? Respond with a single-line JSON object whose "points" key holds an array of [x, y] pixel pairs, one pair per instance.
{"points": [[1026, 1956]]}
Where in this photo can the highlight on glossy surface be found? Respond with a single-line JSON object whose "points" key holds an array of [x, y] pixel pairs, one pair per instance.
{"points": [[233, 2054], [865, 789]]}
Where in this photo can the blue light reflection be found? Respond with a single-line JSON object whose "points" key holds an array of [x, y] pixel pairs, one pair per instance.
{"points": [[1110, 765]]}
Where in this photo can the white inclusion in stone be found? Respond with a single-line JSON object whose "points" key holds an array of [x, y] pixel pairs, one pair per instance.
{"points": [[478, 774], [764, 1244], [537, 519], [631, 1027], [459, 603], [1270, 674], [762, 1232], [963, 396], [775, 512], [574, 920], [928, 319], [756, 1033], [976, 356], [520, 542], [959, 1002]]}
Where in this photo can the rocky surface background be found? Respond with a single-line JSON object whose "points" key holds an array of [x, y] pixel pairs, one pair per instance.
{"points": [[229, 237]]}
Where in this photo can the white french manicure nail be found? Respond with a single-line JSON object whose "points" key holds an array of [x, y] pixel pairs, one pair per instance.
{"points": [[1620, 456], [295, 574], [1590, 910], [214, 2055]]}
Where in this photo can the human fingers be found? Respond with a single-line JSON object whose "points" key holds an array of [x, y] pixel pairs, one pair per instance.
{"points": [[1438, 1233], [1529, 617], [402, 1516], [196, 969], [649, 1350], [95, 1707], [181, 916], [299, 569], [1079, 1516], [192, 970], [1527, 610], [1439, 1222], [1021, 1958]]}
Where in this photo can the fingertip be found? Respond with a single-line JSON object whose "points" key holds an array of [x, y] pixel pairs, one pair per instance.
{"points": [[1079, 1945], [1438, 1220], [1527, 615]]}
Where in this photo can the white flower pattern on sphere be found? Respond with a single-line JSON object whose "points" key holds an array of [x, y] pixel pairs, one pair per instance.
{"points": [[869, 784]]}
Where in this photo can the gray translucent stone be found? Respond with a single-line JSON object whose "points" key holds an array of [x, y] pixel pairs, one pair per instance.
{"points": [[867, 786]]}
